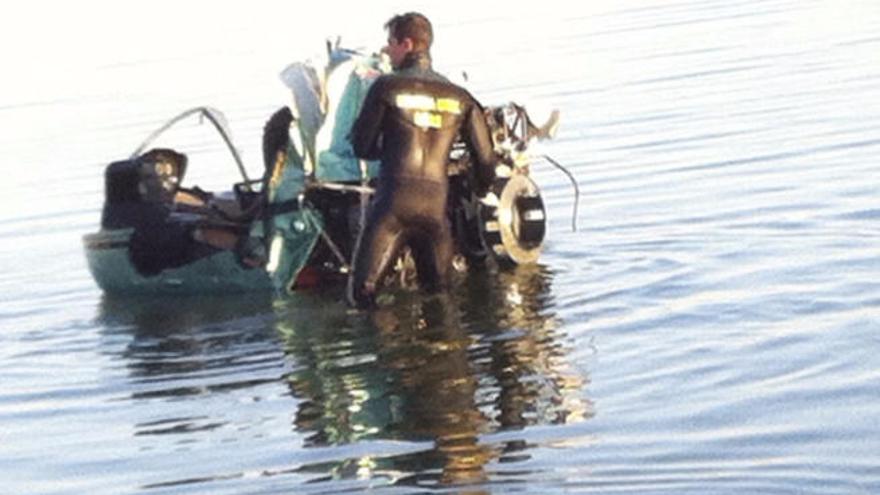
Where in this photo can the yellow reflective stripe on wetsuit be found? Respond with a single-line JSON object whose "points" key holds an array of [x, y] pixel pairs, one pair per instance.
{"points": [[427, 109], [415, 102], [448, 105]]}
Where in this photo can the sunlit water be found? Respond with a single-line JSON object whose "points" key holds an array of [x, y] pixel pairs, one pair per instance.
{"points": [[711, 327]]}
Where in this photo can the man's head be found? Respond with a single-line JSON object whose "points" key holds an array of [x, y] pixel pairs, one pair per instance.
{"points": [[407, 33]]}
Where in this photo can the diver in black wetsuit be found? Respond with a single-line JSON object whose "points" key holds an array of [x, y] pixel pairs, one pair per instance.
{"points": [[410, 120]]}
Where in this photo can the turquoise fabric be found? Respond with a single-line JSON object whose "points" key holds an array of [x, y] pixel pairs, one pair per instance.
{"points": [[300, 233], [338, 162]]}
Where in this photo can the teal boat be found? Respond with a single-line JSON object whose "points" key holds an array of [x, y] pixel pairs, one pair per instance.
{"points": [[296, 227]]}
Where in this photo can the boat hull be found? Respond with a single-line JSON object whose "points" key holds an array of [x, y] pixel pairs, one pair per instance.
{"points": [[107, 253]]}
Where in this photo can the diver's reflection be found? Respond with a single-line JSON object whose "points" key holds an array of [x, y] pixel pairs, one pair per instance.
{"points": [[447, 369], [424, 343]]}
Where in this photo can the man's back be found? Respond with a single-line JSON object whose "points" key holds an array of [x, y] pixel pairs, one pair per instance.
{"points": [[410, 120]]}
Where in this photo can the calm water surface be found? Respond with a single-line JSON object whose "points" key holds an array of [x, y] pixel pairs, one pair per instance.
{"points": [[713, 326]]}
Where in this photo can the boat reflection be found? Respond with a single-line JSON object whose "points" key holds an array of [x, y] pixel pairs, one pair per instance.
{"points": [[447, 370], [168, 314], [188, 346]]}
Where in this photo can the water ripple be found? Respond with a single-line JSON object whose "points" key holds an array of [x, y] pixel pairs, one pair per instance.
{"points": [[709, 328]]}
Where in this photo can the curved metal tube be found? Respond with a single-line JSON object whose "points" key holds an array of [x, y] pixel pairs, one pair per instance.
{"points": [[208, 113]]}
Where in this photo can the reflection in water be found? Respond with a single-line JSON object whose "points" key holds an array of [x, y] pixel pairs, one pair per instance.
{"points": [[520, 348], [158, 315], [181, 347], [439, 375], [424, 345], [446, 369]]}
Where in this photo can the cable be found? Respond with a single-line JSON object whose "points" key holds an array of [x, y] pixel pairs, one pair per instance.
{"points": [[577, 192]]}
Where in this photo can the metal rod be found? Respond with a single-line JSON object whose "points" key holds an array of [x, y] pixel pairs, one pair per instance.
{"points": [[209, 114], [335, 249], [362, 189], [362, 221]]}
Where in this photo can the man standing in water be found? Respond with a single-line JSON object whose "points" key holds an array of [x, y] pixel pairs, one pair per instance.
{"points": [[409, 121]]}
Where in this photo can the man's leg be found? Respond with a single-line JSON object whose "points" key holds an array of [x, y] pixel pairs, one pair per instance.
{"points": [[379, 247], [433, 252]]}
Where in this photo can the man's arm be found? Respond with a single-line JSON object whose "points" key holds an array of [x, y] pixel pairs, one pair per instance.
{"points": [[476, 134], [366, 131]]}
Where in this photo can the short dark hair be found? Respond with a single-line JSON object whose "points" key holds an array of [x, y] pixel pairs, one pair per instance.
{"points": [[414, 26]]}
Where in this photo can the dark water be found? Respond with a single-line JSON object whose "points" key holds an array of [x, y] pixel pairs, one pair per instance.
{"points": [[712, 326]]}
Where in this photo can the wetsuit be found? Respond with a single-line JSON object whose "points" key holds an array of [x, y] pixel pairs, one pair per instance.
{"points": [[409, 121]]}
